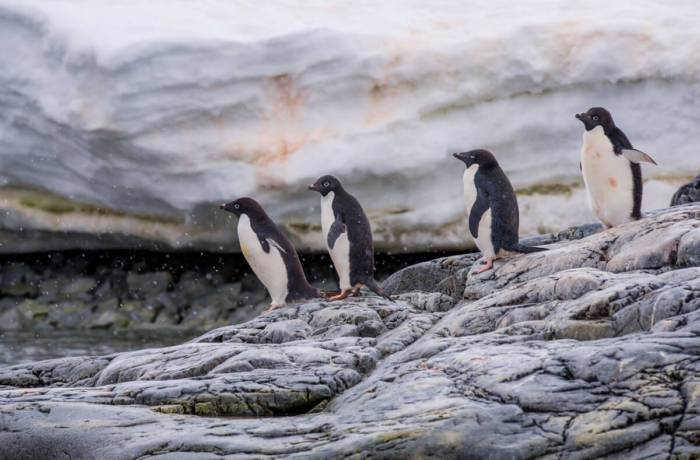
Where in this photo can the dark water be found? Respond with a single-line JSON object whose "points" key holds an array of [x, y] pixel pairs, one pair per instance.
{"points": [[17, 347]]}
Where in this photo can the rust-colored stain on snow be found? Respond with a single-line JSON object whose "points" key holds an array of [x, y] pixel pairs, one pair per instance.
{"points": [[613, 182], [385, 91], [283, 133]]}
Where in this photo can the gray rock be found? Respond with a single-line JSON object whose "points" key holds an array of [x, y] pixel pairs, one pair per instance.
{"points": [[11, 320], [587, 351], [18, 279], [68, 315], [285, 331], [79, 288], [688, 193], [427, 275], [192, 286], [107, 319], [148, 285]]}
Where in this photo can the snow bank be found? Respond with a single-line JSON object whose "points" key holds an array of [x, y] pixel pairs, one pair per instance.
{"points": [[130, 121]]}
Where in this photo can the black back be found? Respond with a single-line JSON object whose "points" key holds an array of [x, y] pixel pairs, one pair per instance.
{"points": [[297, 286], [598, 116], [495, 192], [492, 181], [619, 141], [348, 213]]}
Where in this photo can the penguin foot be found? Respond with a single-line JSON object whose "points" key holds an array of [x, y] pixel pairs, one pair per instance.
{"points": [[326, 294], [272, 307], [356, 291], [487, 266], [343, 294]]}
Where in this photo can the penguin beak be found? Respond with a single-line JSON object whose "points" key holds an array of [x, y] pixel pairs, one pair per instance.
{"points": [[582, 116], [458, 156], [313, 187], [222, 206]]}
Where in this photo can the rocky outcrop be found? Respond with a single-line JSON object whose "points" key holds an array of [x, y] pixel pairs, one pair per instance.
{"points": [[590, 350], [688, 193]]}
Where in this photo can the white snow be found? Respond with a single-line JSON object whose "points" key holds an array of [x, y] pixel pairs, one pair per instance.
{"points": [[167, 108]]}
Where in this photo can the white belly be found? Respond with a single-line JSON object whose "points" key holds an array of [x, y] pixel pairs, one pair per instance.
{"points": [[268, 267], [483, 240], [340, 254], [608, 179]]}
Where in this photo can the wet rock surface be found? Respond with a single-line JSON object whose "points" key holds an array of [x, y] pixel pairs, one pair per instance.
{"points": [[590, 350]]}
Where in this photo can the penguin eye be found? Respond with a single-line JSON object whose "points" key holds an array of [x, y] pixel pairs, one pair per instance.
{"points": [[326, 184], [236, 206], [595, 118]]}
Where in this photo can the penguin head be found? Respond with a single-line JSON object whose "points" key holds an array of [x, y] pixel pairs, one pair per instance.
{"points": [[326, 184], [596, 116], [480, 157], [244, 206]]}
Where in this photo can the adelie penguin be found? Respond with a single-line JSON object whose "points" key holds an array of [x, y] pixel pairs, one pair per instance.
{"points": [[610, 168], [492, 207], [348, 238], [270, 254]]}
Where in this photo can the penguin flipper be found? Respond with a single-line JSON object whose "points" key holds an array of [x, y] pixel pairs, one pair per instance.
{"points": [[274, 243], [637, 156], [480, 206], [337, 229]]}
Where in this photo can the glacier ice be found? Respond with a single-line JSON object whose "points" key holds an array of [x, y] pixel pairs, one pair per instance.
{"points": [[126, 123]]}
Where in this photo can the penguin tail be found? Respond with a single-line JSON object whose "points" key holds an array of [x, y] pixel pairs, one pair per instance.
{"points": [[517, 247], [371, 283]]}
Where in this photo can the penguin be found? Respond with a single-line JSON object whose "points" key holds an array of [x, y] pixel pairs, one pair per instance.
{"points": [[492, 207], [610, 168], [270, 254], [348, 237]]}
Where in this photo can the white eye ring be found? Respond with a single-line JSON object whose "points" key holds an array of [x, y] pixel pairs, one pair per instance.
{"points": [[326, 184], [594, 117], [236, 205]]}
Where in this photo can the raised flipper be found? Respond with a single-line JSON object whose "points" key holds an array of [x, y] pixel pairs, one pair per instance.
{"points": [[637, 156]]}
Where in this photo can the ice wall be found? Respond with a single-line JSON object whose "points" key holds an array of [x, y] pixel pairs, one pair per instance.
{"points": [[127, 123]]}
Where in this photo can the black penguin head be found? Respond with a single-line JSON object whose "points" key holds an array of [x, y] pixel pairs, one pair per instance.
{"points": [[596, 116], [244, 206], [480, 157], [326, 184]]}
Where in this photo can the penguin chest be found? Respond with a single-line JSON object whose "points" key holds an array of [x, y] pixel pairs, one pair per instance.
{"points": [[483, 239], [470, 186], [608, 178], [340, 252], [269, 267]]}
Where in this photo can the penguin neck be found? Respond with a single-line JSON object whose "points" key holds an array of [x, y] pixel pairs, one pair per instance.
{"points": [[595, 136], [338, 192], [256, 222]]}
